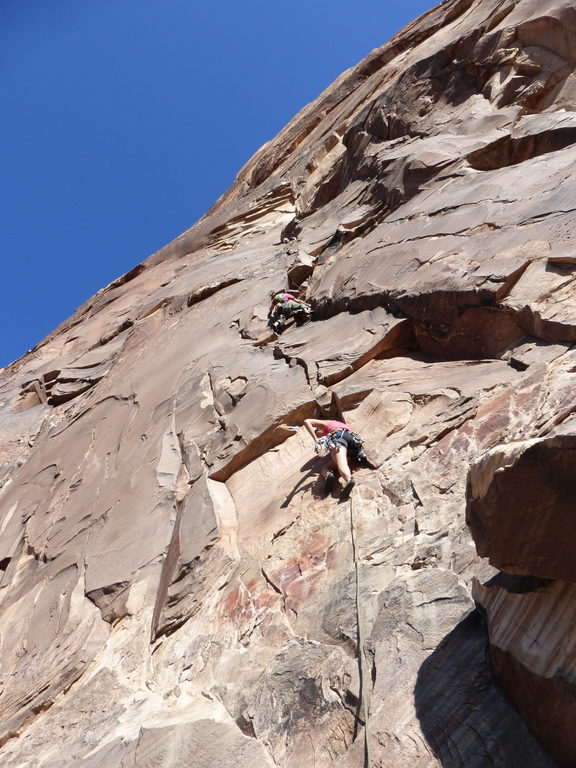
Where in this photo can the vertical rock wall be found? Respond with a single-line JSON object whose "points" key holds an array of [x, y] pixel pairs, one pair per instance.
{"points": [[176, 588], [520, 507]]}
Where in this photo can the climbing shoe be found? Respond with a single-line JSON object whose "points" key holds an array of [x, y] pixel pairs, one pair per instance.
{"points": [[329, 483], [347, 490]]}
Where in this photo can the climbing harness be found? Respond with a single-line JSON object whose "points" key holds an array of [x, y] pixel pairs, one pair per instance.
{"points": [[355, 446], [351, 441], [321, 446], [360, 635], [325, 444]]}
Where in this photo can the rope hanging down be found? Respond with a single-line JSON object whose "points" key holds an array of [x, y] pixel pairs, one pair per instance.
{"points": [[360, 633]]}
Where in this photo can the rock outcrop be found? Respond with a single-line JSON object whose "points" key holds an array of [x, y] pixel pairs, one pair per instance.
{"points": [[176, 589], [520, 504]]}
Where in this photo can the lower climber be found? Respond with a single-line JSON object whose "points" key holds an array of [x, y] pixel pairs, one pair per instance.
{"points": [[336, 438], [285, 306]]}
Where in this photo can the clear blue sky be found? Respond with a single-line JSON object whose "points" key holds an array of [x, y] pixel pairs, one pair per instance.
{"points": [[122, 121]]}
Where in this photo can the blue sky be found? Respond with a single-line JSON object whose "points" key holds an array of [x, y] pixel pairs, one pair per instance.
{"points": [[124, 120]]}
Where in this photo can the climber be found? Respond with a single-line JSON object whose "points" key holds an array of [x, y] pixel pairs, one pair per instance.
{"points": [[285, 306], [337, 438]]}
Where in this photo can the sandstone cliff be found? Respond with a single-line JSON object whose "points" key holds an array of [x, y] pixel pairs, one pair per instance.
{"points": [[176, 590]]}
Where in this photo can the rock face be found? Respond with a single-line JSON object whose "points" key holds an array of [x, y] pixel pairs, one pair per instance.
{"points": [[176, 589], [520, 508]]}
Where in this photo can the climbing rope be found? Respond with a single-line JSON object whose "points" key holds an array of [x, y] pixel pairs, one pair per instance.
{"points": [[360, 634]]}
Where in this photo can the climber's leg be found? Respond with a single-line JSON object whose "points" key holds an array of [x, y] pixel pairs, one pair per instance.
{"points": [[327, 466], [340, 458]]}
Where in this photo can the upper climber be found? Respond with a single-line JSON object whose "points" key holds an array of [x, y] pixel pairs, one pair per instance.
{"points": [[337, 438]]}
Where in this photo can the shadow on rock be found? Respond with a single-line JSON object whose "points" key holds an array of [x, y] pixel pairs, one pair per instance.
{"points": [[465, 717], [312, 468]]}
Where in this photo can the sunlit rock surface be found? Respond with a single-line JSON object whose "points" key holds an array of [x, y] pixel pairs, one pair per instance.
{"points": [[176, 590]]}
